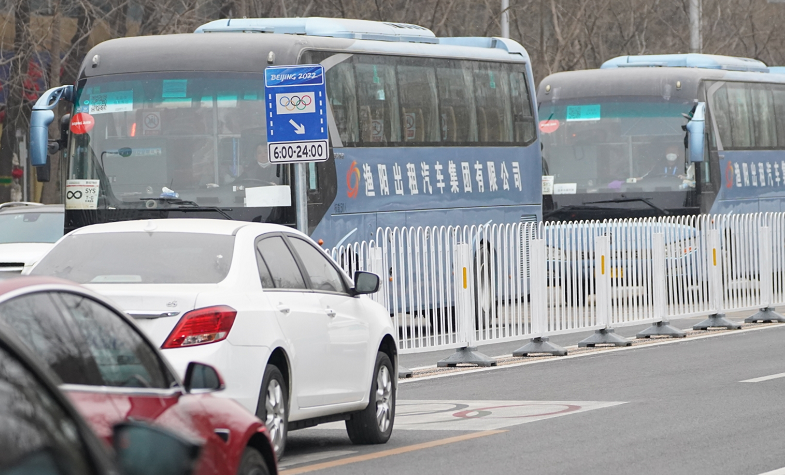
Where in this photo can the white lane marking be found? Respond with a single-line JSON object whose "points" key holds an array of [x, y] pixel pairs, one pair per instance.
{"points": [[779, 471], [581, 355], [480, 415], [764, 378], [308, 458]]}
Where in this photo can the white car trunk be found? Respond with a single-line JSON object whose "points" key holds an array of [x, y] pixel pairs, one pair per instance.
{"points": [[156, 308]]}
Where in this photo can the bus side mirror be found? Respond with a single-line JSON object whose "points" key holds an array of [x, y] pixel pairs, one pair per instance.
{"points": [[696, 128], [43, 115]]}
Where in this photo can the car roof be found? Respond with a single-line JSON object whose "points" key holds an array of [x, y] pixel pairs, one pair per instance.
{"points": [[25, 282], [33, 209], [182, 225]]}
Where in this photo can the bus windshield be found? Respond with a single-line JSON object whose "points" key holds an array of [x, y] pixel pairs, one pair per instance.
{"points": [[615, 144], [166, 139]]}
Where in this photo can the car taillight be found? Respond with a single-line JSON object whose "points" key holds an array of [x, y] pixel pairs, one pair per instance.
{"points": [[201, 326]]}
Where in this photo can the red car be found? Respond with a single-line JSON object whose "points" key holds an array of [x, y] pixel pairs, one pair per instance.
{"points": [[111, 373]]}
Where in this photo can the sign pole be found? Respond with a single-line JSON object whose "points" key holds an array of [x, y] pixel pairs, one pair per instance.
{"points": [[301, 198], [296, 105]]}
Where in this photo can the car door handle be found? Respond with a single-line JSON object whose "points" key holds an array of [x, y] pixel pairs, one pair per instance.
{"points": [[331, 313], [283, 308]]}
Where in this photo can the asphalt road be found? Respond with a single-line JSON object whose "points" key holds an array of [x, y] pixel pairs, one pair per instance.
{"points": [[681, 407]]}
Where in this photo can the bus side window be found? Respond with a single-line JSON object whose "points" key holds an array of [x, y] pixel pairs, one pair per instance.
{"points": [[740, 115], [719, 108], [456, 102], [341, 94], [763, 124], [778, 96], [523, 118], [419, 116], [492, 93], [377, 97]]}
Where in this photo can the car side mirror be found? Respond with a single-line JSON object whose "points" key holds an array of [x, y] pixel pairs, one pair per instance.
{"points": [[146, 450], [203, 378], [365, 283], [695, 130]]}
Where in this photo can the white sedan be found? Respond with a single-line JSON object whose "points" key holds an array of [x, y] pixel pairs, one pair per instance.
{"points": [[296, 341]]}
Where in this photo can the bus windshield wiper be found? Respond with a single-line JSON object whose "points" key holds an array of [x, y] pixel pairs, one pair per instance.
{"points": [[187, 205], [646, 201]]}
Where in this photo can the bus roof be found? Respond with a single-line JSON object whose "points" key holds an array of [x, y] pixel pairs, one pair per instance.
{"points": [[355, 29], [690, 60], [640, 82], [329, 27], [249, 52]]}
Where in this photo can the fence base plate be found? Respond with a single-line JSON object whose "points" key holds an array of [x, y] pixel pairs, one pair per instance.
{"points": [[467, 356], [404, 372], [765, 315], [605, 336], [717, 320], [661, 329], [540, 345]]}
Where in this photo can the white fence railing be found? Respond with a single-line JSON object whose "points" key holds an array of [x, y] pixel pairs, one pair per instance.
{"points": [[460, 287]]}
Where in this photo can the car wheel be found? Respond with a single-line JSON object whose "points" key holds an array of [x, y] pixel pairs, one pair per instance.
{"points": [[374, 424], [273, 407], [252, 463]]}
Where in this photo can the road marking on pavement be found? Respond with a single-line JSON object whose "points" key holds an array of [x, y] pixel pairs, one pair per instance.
{"points": [[309, 458], [387, 453], [764, 378], [582, 355], [484, 415], [479, 415], [779, 471]]}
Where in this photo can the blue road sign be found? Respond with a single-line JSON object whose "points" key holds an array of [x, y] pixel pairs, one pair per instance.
{"points": [[296, 114]]}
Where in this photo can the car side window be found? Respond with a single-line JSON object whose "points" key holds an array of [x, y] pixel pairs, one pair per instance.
{"points": [[124, 359], [37, 434], [264, 271], [323, 275], [281, 264], [38, 322]]}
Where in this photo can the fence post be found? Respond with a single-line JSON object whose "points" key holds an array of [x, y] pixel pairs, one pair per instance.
{"points": [[465, 310], [714, 256], [662, 326], [602, 275], [766, 313], [538, 297]]}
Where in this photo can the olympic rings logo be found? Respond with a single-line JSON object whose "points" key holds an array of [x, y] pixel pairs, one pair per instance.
{"points": [[295, 102], [73, 195]]}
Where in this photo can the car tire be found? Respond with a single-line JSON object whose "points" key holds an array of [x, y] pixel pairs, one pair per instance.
{"points": [[273, 408], [252, 463], [374, 424]]}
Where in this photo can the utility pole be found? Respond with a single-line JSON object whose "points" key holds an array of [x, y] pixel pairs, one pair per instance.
{"points": [[505, 18], [696, 42]]}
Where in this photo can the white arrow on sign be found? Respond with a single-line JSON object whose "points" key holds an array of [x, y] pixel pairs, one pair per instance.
{"points": [[299, 129]]}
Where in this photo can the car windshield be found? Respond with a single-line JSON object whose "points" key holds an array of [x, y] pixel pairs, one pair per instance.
{"points": [[134, 258], [30, 227], [200, 138], [607, 144]]}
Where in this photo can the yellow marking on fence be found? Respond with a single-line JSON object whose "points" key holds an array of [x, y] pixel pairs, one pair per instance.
{"points": [[714, 252], [602, 264], [464, 277]]}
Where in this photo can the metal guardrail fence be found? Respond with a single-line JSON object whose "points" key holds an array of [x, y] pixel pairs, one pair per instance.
{"points": [[460, 287]]}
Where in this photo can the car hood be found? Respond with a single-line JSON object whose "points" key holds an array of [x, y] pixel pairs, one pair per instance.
{"points": [[24, 252], [156, 308], [17, 256]]}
